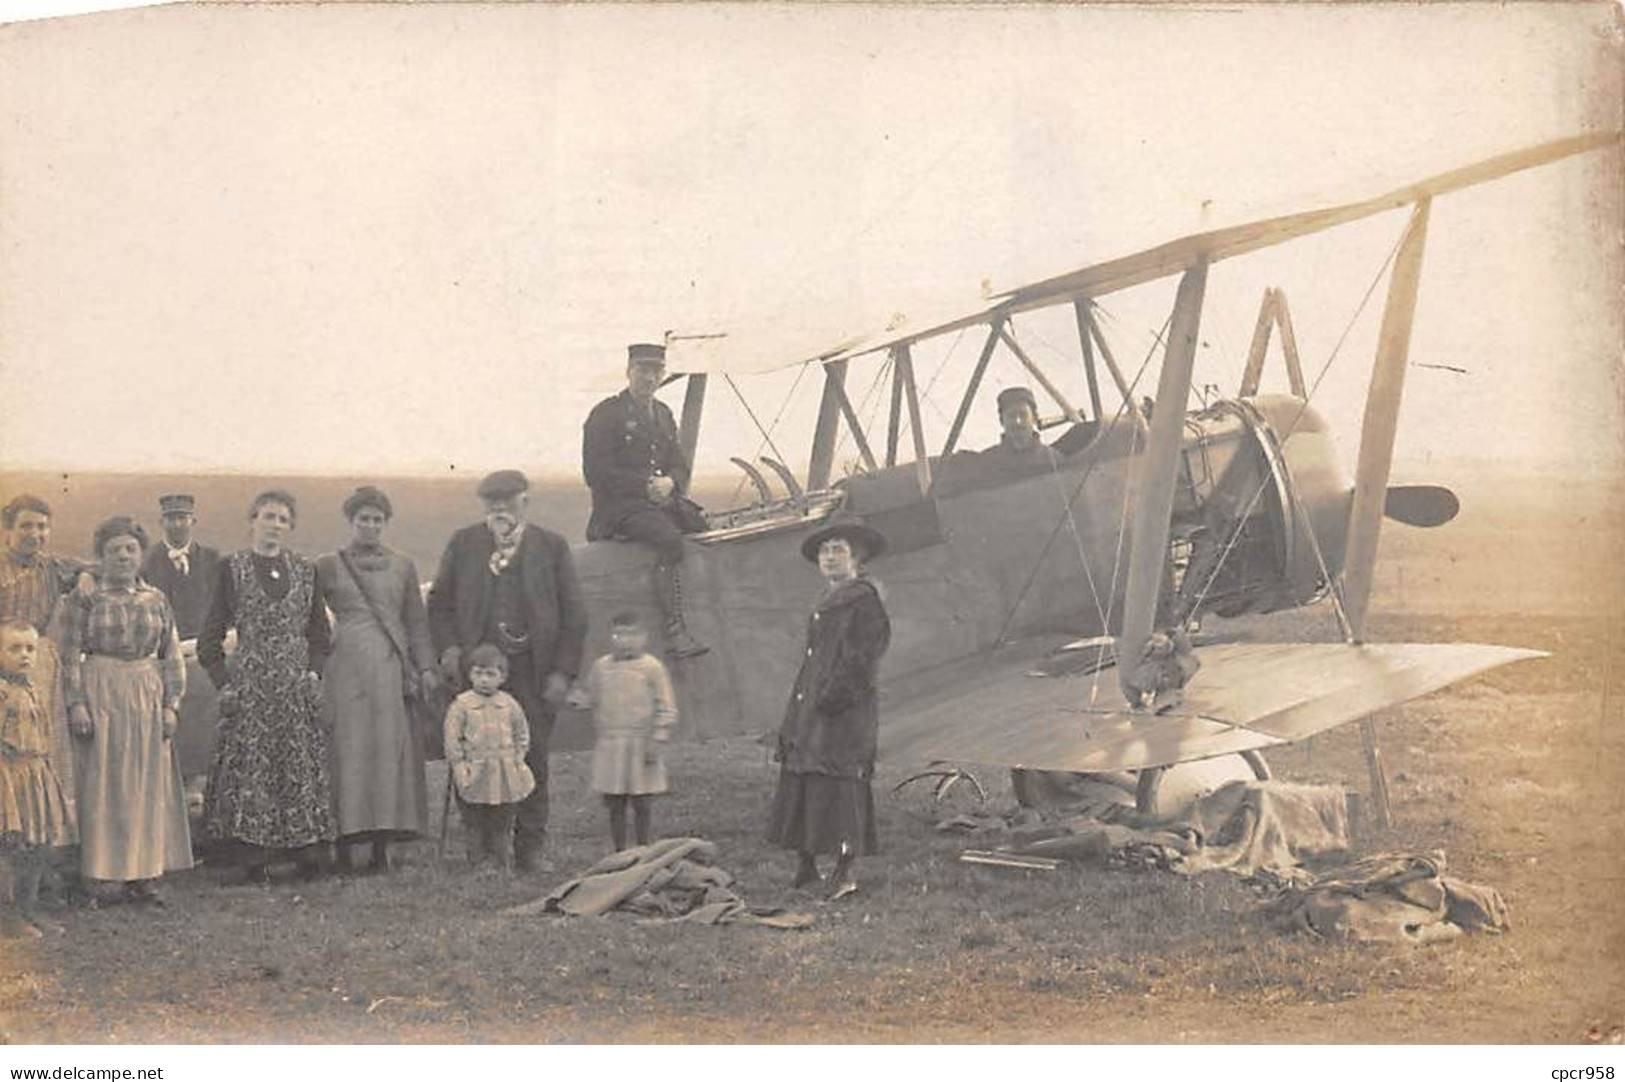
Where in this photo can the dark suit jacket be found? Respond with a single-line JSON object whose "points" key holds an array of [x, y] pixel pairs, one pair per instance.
{"points": [[460, 597], [189, 593], [620, 451]]}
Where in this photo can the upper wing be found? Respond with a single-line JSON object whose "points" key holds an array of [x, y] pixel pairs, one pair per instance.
{"points": [[729, 352], [1246, 696]]}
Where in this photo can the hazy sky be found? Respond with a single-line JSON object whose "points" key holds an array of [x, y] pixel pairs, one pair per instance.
{"points": [[386, 238]]}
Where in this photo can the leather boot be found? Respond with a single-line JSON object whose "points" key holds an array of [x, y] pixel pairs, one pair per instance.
{"points": [[669, 592]]}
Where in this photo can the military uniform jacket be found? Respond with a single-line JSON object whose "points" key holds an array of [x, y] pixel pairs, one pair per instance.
{"points": [[620, 450], [189, 593]]}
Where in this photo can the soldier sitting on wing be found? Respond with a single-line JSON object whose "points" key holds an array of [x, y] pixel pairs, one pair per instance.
{"points": [[638, 475]]}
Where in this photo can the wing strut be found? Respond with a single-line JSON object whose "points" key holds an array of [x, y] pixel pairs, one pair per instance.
{"points": [[1376, 458], [1381, 422], [1080, 309], [1154, 476], [1123, 387], [904, 370], [1272, 313], [971, 388], [1038, 374]]}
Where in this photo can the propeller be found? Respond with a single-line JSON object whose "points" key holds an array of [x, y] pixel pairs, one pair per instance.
{"points": [[1420, 505]]}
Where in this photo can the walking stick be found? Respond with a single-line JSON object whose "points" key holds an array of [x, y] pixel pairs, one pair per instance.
{"points": [[445, 817]]}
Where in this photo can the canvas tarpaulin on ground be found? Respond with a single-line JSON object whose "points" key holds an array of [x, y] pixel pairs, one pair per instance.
{"points": [[674, 879]]}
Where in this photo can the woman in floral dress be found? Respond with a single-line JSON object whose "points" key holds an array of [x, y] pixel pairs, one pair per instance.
{"points": [[268, 796]]}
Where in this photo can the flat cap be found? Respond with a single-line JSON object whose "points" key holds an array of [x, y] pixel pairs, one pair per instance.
{"points": [[646, 353], [1011, 395], [503, 484], [176, 503]]}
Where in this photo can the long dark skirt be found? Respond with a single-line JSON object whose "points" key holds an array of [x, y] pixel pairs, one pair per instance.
{"points": [[817, 813]]}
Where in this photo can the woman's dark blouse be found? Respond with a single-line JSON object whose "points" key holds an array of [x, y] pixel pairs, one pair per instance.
{"points": [[211, 642]]}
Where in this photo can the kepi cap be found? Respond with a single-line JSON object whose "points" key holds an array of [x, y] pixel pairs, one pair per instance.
{"points": [[646, 353], [503, 485], [1011, 395], [176, 503], [857, 533]]}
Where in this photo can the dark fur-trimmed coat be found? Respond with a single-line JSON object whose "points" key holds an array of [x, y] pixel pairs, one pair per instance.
{"points": [[833, 717]]}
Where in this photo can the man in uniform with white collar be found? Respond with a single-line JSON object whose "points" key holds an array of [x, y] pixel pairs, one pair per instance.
{"points": [[181, 566], [635, 467]]}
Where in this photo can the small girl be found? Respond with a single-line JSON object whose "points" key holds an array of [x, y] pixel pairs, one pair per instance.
{"points": [[487, 737], [34, 817], [634, 712]]}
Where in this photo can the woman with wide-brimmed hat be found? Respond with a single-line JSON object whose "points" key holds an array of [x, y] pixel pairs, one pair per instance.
{"points": [[824, 802]]}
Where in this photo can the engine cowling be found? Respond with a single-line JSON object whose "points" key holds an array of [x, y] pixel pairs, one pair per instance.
{"points": [[1262, 523]]}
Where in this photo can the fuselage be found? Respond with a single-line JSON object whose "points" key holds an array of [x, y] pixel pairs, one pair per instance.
{"points": [[986, 558]]}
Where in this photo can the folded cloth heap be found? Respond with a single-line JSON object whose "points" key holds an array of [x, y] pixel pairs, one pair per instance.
{"points": [[671, 879], [1393, 898], [1260, 829]]}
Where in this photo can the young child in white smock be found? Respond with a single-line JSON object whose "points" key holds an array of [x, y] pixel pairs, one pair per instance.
{"points": [[487, 737], [634, 713]]}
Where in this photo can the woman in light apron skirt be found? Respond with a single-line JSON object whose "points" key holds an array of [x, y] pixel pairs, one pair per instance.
{"points": [[123, 677]]}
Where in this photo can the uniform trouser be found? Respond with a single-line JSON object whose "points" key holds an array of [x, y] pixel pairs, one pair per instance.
{"points": [[659, 530], [525, 684]]}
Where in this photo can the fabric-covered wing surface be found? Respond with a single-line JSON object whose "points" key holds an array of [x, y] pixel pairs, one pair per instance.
{"points": [[1246, 696]]}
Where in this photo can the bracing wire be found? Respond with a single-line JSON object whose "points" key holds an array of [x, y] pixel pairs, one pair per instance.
{"points": [[1077, 490], [767, 433]]}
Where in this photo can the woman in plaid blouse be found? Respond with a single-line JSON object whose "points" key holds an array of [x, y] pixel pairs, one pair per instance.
{"points": [[124, 678]]}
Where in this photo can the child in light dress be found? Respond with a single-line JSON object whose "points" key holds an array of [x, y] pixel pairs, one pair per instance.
{"points": [[487, 737], [634, 713], [34, 816]]}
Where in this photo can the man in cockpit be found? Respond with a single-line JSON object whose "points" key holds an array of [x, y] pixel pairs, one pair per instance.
{"points": [[1021, 450]]}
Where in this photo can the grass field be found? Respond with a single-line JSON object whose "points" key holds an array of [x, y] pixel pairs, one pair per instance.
{"points": [[1515, 775]]}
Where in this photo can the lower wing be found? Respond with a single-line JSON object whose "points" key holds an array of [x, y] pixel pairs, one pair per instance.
{"points": [[1246, 696]]}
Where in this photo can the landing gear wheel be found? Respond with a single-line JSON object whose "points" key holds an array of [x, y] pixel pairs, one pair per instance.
{"points": [[1052, 788], [1145, 794]]}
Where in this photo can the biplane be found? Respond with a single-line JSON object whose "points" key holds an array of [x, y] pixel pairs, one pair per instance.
{"points": [[1013, 597]]}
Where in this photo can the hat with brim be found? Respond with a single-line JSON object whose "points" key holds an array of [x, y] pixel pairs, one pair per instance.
{"points": [[177, 503], [857, 534]]}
